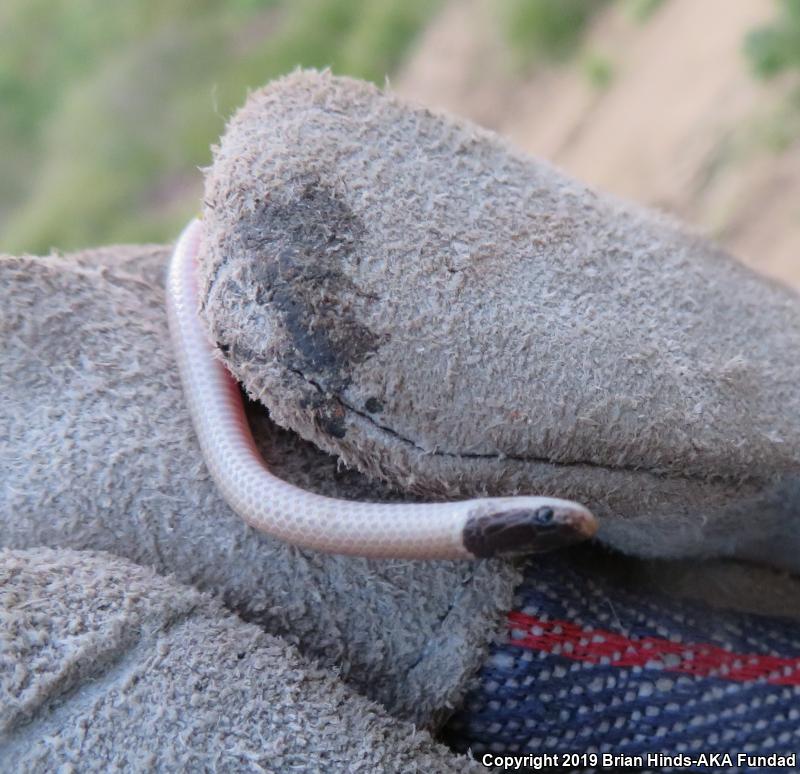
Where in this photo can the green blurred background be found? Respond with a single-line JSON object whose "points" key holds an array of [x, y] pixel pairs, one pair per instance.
{"points": [[108, 107]]}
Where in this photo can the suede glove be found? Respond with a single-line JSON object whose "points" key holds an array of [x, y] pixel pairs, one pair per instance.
{"points": [[503, 329], [110, 667], [446, 314]]}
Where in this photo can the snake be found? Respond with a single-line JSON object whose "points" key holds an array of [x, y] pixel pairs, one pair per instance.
{"points": [[465, 529]]}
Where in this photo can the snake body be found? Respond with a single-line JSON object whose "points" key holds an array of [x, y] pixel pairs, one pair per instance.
{"points": [[465, 529]]}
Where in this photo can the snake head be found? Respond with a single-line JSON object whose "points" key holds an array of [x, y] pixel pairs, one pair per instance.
{"points": [[543, 525]]}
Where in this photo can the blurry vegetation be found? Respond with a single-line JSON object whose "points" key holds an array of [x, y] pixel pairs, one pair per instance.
{"points": [[773, 49], [547, 29], [642, 10], [109, 106], [776, 47], [779, 128], [599, 70]]}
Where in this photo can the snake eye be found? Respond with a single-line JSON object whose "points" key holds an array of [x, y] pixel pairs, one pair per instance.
{"points": [[544, 515]]}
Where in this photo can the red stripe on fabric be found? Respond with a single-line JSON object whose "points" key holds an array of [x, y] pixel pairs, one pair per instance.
{"points": [[596, 646]]}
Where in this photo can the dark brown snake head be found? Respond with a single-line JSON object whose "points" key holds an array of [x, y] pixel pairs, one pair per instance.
{"points": [[520, 531]]}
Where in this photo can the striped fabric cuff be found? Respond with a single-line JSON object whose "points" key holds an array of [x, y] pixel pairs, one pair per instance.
{"points": [[587, 667]]}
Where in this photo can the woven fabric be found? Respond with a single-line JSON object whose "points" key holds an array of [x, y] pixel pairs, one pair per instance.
{"points": [[590, 667]]}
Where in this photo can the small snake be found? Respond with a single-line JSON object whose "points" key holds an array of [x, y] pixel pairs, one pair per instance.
{"points": [[466, 529]]}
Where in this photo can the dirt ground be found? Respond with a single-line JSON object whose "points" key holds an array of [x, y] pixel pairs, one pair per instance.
{"points": [[682, 124]]}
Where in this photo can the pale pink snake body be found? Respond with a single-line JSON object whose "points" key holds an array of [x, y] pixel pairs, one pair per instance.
{"points": [[466, 529]]}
